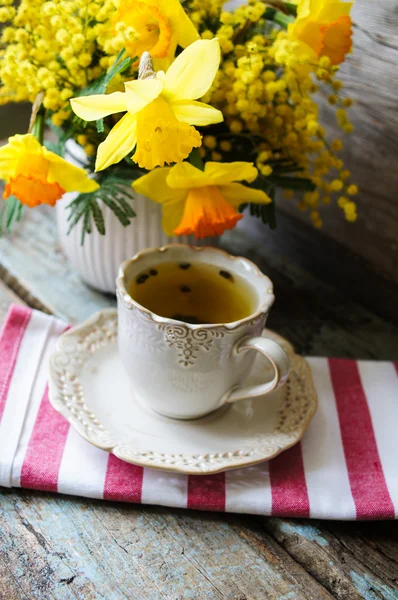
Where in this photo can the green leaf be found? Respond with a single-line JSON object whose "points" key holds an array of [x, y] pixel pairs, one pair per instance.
{"points": [[117, 211], [114, 193], [97, 216], [99, 85], [196, 160], [11, 212], [86, 225], [265, 212], [100, 125], [76, 214], [125, 205]]}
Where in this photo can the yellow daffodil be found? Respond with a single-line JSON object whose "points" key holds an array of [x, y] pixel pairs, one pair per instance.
{"points": [[325, 27], [161, 110], [201, 202], [158, 26], [35, 175]]}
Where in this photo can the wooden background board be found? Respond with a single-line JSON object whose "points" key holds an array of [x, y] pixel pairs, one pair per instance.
{"points": [[370, 77]]}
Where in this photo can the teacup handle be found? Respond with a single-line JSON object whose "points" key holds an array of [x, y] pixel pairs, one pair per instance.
{"points": [[277, 357]]}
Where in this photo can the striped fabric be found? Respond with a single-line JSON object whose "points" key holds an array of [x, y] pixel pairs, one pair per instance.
{"points": [[344, 468]]}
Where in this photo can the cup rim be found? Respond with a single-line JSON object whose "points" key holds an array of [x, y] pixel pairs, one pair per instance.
{"points": [[265, 302]]}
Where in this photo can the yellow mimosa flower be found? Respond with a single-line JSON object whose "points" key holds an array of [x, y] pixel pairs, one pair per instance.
{"points": [[325, 27], [158, 25], [161, 110], [35, 175], [201, 202]]}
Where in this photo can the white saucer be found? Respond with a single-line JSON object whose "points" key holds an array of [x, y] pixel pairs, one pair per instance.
{"points": [[89, 387]]}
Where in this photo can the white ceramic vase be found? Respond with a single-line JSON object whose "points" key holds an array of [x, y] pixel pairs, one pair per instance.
{"points": [[97, 260]]}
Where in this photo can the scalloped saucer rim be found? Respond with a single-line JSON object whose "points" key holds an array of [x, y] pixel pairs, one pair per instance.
{"points": [[86, 375]]}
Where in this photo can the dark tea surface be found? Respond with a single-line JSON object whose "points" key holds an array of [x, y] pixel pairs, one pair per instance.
{"points": [[194, 292]]}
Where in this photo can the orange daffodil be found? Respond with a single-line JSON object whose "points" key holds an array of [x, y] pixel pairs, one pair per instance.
{"points": [[160, 111], [325, 27], [158, 27], [201, 202], [35, 175]]}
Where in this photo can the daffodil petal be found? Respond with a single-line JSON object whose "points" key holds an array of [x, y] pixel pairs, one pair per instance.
{"points": [[26, 143], [223, 173], [196, 113], [185, 176], [120, 142], [183, 30], [187, 33], [10, 154], [69, 177], [237, 194], [334, 10], [181, 24], [304, 9], [9, 157], [98, 106], [154, 185], [193, 71], [141, 92], [173, 211]]}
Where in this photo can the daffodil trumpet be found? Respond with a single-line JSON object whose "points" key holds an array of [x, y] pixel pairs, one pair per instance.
{"points": [[161, 110], [201, 202], [156, 26], [324, 26]]}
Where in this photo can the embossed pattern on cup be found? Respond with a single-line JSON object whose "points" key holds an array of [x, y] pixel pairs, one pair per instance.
{"points": [[178, 369]]}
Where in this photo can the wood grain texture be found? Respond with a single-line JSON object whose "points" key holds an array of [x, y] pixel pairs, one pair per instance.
{"points": [[299, 244], [370, 77], [348, 563], [6, 298], [34, 267], [72, 548]]}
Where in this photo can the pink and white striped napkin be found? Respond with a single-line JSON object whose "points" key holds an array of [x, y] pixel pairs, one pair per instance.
{"points": [[344, 468]]}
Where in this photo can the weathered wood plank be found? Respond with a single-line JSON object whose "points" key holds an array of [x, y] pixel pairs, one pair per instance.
{"points": [[91, 549], [351, 560], [34, 263], [6, 298], [314, 316], [299, 244], [370, 77]]}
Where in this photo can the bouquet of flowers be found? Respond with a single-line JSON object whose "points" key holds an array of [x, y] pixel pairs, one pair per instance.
{"points": [[204, 110]]}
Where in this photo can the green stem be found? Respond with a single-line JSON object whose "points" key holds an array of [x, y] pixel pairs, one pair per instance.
{"points": [[38, 126], [196, 160], [282, 19]]}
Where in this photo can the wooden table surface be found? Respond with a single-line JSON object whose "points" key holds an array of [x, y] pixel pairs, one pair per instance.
{"points": [[65, 547]]}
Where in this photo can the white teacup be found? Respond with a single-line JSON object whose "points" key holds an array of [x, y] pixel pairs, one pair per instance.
{"points": [[185, 371]]}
